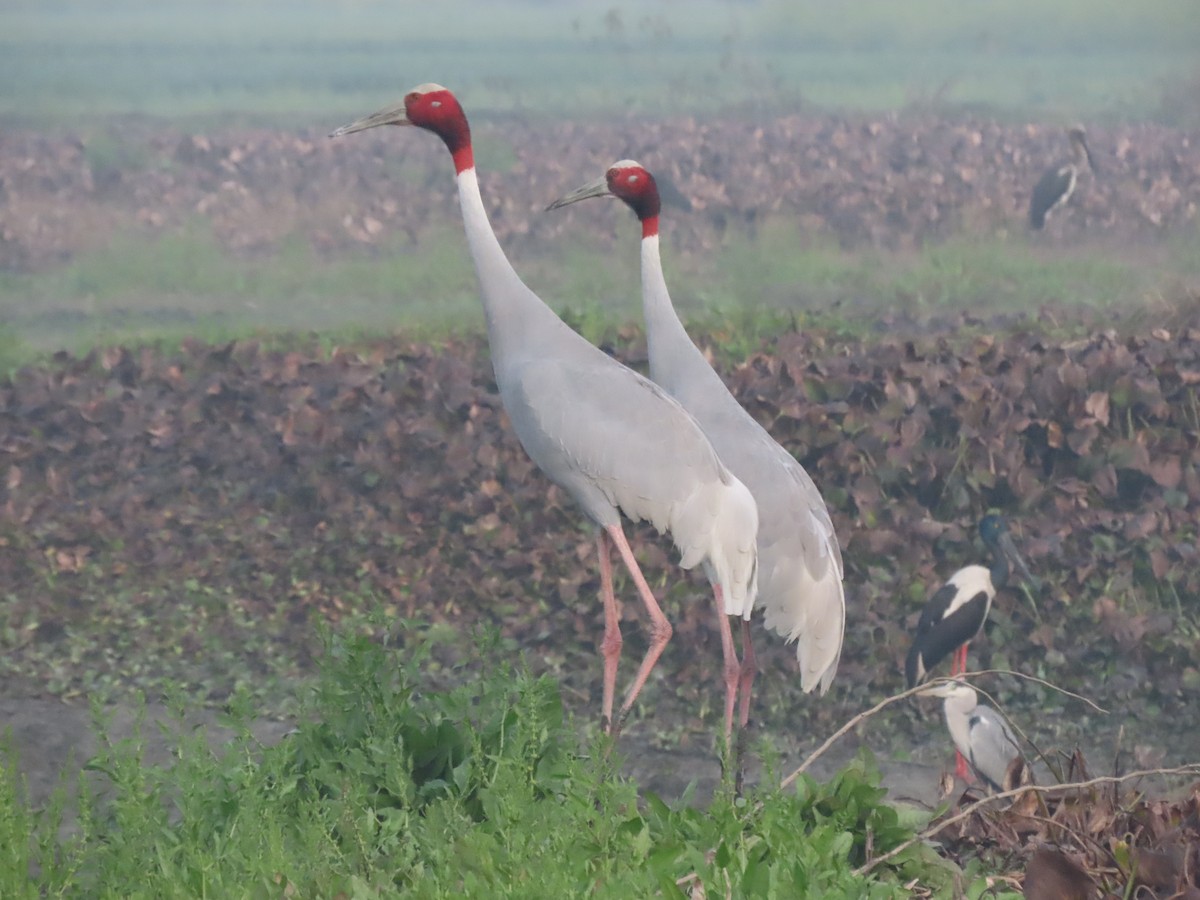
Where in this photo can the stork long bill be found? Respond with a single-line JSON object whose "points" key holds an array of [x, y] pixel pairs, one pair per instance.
{"points": [[1009, 549], [396, 114], [597, 188]]}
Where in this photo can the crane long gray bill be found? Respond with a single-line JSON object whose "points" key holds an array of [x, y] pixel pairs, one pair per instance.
{"points": [[597, 188], [389, 115]]}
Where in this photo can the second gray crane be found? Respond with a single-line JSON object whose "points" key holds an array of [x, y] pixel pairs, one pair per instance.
{"points": [[799, 561]]}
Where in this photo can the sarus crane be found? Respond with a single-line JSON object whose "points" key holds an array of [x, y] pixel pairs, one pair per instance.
{"points": [[799, 561], [1057, 183], [980, 734], [609, 437]]}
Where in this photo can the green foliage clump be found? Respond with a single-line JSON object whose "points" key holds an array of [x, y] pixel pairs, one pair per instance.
{"points": [[481, 790]]}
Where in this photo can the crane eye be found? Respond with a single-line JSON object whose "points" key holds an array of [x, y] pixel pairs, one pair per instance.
{"points": [[633, 179], [435, 103]]}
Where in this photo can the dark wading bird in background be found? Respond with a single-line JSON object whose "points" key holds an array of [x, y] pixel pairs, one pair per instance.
{"points": [[1057, 184], [957, 610], [612, 439], [799, 561]]}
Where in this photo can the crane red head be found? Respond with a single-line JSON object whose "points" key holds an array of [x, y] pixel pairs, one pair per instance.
{"points": [[428, 106], [626, 180]]}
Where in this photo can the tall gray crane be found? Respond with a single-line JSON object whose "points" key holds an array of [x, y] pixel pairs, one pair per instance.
{"points": [[1057, 183], [980, 734], [800, 563], [611, 438]]}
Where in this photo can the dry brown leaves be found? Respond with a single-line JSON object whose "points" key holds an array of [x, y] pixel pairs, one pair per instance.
{"points": [[1094, 841], [391, 470]]}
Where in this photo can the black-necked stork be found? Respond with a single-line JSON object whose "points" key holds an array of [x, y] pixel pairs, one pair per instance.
{"points": [[957, 610], [980, 734], [1055, 187]]}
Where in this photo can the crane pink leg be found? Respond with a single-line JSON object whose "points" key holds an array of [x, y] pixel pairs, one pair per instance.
{"points": [[610, 646], [733, 669], [660, 628], [749, 669]]}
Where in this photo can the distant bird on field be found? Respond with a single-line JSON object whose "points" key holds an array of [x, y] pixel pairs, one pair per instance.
{"points": [[980, 734], [612, 439], [800, 564], [957, 610], [1057, 184]]}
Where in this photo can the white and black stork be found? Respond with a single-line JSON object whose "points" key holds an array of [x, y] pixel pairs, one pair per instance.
{"points": [[1058, 182], [957, 610]]}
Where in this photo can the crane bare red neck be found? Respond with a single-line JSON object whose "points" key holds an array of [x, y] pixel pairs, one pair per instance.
{"points": [[636, 187], [440, 112]]}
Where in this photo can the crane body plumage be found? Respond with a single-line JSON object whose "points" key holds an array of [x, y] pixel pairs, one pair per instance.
{"points": [[609, 437], [800, 563], [566, 398], [799, 559]]}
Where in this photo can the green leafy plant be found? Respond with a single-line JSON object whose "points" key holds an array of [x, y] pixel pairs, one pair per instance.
{"points": [[388, 787]]}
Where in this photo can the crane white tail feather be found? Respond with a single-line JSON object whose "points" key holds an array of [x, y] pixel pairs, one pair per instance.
{"points": [[716, 524], [806, 603], [728, 549]]}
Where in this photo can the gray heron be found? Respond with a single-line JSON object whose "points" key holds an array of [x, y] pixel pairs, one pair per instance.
{"points": [[612, 439], [980, 734], [800, 563], [1058, 182]]}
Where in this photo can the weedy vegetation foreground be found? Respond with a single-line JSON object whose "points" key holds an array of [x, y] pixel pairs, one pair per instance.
{"points": [[482, 790]]}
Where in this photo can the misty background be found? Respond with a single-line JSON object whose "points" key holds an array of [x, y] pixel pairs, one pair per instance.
{"points": [[266, 60]]}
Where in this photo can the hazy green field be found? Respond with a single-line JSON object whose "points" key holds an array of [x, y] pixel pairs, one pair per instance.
{"points": [[289, 62], [187, 285]]}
